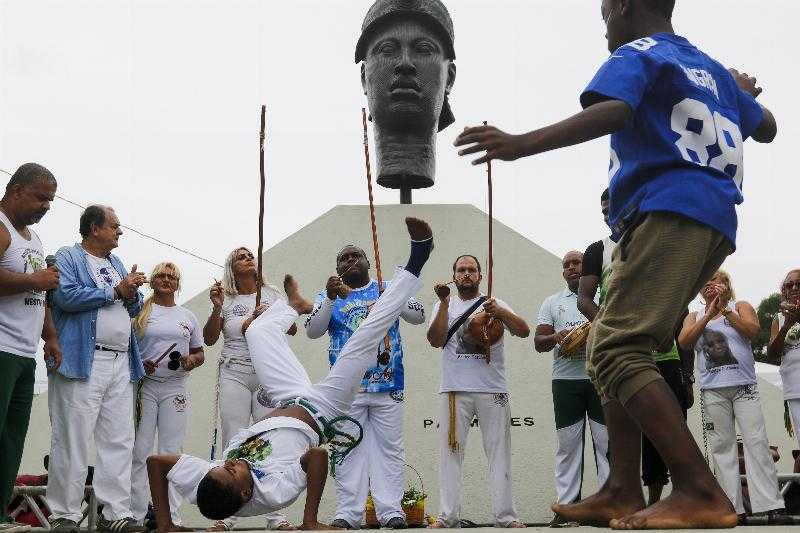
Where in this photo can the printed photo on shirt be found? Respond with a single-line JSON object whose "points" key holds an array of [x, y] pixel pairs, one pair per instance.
{"points": [[714, 346], [254, 450], [792, 338]]}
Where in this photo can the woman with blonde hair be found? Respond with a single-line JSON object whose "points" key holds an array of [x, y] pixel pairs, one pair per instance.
{"points": [[784, 345], [721, 337], [241, 399], [162, 406]]}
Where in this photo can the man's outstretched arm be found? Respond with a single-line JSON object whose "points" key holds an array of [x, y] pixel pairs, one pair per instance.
{"points": [[315, 464], [158, 466], [602, 118]]}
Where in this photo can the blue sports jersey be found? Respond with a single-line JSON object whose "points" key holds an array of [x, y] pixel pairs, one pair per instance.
{"points": [[347, 315], [682, 149]]}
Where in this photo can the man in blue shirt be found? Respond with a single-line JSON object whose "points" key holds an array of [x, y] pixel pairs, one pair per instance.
{"points": [[377, 464], [91, 393], [678, 120]]}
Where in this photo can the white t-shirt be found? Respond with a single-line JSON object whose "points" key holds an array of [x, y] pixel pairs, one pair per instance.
{"points": [[790, 364], [113, 328], [235, 311], [560, 310], [464, 367], [724, 356], [272, 448], [165, 326]]}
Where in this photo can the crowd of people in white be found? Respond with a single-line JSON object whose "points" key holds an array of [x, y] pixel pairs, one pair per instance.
{"points": [[119, 363]]}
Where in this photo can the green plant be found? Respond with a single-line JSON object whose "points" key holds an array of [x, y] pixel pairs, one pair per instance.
{"points": [[767, 310], [412, 496]]}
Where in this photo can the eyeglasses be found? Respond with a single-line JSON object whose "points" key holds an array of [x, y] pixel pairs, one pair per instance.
{"points": [[242, 257], [789, 285]]}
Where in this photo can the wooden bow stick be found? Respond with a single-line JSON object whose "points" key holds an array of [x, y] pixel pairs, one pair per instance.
{"points": [[259, 278], [384, 357], [490, 260]]}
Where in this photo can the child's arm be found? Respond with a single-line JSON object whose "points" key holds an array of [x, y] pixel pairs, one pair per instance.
{"points": [[602, 118], [768, 129], [315, 463], [157, 468]]}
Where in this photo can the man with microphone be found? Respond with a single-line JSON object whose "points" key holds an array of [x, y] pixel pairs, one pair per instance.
{"points": [[23, 282], [91, 394]]}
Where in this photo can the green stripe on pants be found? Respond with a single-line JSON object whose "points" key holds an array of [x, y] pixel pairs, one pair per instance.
{"points": [[16, 397]]}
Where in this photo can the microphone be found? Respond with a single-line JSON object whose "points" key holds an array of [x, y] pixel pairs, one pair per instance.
{"points": [[50, 261]]}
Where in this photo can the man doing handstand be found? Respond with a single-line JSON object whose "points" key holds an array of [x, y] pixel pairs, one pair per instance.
{"points": [[269, 464]]}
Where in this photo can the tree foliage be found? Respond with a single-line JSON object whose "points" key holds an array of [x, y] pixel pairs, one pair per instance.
{"points": [[767, 310]]}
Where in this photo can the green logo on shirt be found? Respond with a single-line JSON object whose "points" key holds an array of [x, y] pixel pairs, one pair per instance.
{"points": [[253, 450]]}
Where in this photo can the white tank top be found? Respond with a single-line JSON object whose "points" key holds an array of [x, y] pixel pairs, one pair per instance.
{"points": [[23, 313], [790, 364], [724, 356]]}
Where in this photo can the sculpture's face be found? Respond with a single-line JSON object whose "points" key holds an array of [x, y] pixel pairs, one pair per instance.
{"points": [[406, 75]]}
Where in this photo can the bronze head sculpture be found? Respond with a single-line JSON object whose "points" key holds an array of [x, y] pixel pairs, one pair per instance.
{"points": [[407, 72]]}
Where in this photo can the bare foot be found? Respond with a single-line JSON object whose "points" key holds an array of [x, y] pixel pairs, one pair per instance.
{"points": [[516, 524], [438, 524], [418, 229], [682, 510], [294, 298], [285, 526], [600, 508]]}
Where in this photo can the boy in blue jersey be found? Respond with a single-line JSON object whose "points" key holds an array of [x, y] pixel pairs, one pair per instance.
{"points": [[678, 120], [339, 310]]}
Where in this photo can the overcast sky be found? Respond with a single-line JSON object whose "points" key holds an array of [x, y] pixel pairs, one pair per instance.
{"points": [[153, 108]]}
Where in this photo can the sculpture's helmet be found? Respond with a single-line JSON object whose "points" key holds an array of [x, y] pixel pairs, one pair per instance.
{"points": [[432, 11]]}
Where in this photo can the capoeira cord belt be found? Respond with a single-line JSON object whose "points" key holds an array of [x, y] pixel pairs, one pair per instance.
{"points": [[340, 442]]}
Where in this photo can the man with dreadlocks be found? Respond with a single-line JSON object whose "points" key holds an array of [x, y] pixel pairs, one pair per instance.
{"points": [[269, 464]]}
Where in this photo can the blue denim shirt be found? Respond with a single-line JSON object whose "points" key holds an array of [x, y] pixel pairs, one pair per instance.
{"points": [[75, 305]]}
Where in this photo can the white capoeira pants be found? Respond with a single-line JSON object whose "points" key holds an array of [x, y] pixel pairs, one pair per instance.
{"points": [[238, 398], [239, 407], [742, 404], [377, 465], [284, 377], [164, 408], [101, 406], [569, 458], [794, 413], [493, 412]]}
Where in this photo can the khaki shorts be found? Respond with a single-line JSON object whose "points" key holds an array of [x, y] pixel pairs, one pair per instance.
{"points": [[658, 268]]}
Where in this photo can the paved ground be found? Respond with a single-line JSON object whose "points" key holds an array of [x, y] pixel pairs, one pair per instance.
{"points": [[587, 529]]}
